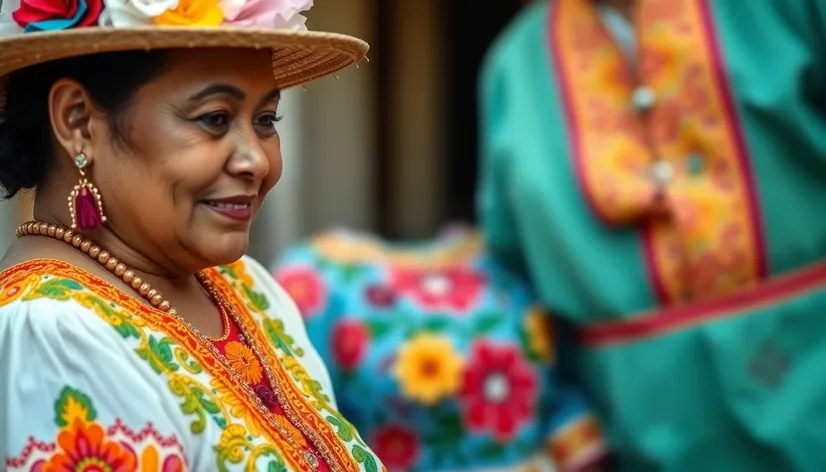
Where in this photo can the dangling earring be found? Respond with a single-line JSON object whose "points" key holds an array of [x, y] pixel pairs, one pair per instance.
{"points": [[85, 204]]}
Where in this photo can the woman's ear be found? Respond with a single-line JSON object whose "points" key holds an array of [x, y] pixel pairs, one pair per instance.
{"points": [[71, 111]]}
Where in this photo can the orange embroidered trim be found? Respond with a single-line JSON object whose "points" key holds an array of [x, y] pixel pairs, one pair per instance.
{"points": [[710, 242], [163, 322], [578, 444], [658, 323], [313, 421]]}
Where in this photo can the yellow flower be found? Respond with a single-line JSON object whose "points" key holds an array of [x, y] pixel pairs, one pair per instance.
{"points": [[540, 334], [242, 359], [192, 13], [428, 368]]}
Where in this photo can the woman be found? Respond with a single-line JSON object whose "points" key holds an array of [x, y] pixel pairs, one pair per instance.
{"points": [[133, 334], [460, 364], [656, 169]]}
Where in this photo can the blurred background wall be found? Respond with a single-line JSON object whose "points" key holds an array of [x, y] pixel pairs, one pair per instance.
{"points": [[389, 147]]}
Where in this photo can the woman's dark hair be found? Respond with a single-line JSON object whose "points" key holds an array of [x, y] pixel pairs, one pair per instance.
{"points": [[26, 140]]}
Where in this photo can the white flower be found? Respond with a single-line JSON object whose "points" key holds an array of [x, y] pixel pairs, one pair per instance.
{"points": [[9, 27], [275, 14], [128, 13]]}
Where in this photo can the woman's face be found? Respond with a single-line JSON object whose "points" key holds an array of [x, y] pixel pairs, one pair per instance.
{"points": [[202, 153]]}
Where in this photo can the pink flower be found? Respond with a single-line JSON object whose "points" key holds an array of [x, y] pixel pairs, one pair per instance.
{"points": [[305, 288], [350, 341], [277, 14]]}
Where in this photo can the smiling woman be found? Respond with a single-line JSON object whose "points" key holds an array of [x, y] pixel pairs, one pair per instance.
{"points": [[134, 335]]}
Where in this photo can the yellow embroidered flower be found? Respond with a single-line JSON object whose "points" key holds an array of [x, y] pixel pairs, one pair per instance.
{"points": [[239, 269], [540, 334], [237, 407], [346, 248], [428, 368], [242, 359], [192, 13]]}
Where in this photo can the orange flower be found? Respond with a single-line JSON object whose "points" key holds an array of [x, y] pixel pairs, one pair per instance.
{"points": [[242, 359], [84, 446], [192, 13]]}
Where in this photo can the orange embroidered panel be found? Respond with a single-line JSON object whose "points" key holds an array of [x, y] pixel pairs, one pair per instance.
{"points": [[298, 403], [703, 237], [13, 281]]}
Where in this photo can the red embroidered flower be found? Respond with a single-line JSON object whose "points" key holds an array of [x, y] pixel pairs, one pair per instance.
{"points": [[305, 287], [396, 446], [452, 288], [52, 15], [349, 340], [380, 296], [499, 391]]}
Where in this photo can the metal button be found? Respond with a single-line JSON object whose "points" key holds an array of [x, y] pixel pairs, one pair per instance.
{"points": [[644, 98]]}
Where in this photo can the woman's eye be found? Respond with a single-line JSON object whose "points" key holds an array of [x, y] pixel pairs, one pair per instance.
{"points": [[215, 120], [267, 120]]}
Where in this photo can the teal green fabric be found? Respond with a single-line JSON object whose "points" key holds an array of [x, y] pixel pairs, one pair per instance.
{"points": [[687, 401], [530, 206]]}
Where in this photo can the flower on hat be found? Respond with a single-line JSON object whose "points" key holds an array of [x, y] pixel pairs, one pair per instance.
{"points": [[129, 13], [53, 15], [278, 14], [192, 13]]}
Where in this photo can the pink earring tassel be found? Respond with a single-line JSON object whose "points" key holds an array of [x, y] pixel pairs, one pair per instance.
{"points": [[86, 210]]}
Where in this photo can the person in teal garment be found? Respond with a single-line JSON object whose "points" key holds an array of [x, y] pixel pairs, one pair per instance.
{"points": [[655, 169]]}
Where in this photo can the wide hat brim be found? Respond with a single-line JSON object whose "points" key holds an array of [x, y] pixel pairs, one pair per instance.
{"points": [[298, 56]]}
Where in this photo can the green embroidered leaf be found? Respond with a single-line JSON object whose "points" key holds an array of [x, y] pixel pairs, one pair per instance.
{"points": [[491, 450], [208, 405], [220, 421], [314, 387], [486, 322], [436, 324], [158, 354], [350, 271], [279, 337], [72, 404], [342, 429], [363, 457], [224, 270], [127, 331], [58, 288], [379, 327], [258, 300], [275, 466]]}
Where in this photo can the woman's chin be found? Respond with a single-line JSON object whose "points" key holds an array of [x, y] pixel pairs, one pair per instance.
{"points": [[226, 250]]}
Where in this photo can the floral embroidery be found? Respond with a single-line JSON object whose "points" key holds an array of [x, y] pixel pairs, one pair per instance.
{"points": [[428, 368], [378, 345], [246, 439], [349, 343], [305, 288], [397, 446], [711, 242], [452, 288], [82, 443], [499, 391], [243, 360]]}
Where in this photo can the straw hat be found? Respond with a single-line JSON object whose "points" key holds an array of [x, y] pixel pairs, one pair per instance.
{"points": [[37, 31]]}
